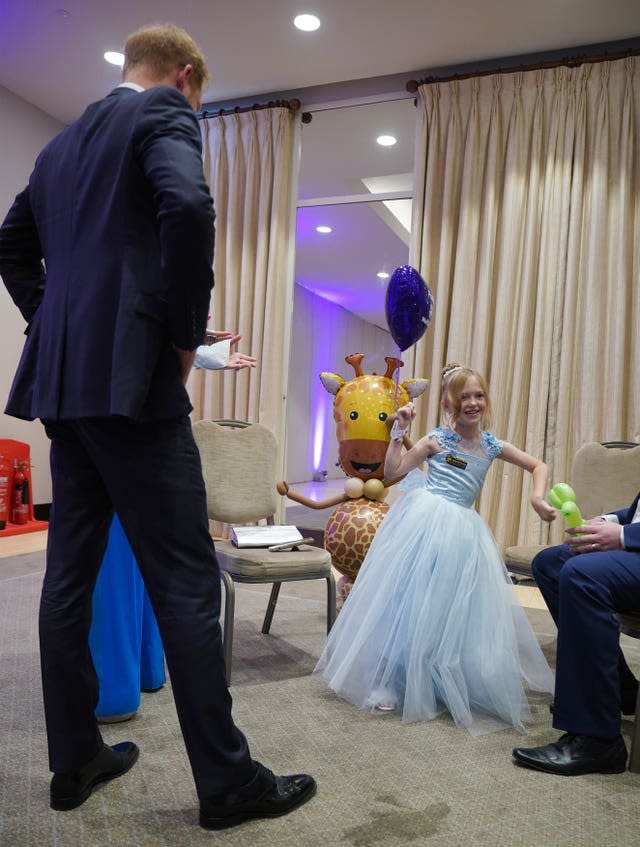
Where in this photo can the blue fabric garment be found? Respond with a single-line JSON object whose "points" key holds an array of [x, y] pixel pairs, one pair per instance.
{"points": [[432, 622], [124, 639]]}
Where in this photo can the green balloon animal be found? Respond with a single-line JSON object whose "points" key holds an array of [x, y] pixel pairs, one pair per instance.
{"points": [[563, 497]]}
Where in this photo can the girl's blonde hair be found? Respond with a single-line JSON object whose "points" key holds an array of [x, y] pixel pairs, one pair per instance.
{"points": [[454, 378]]}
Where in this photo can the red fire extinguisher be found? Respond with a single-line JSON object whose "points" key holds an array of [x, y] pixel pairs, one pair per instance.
{"points": [[20, 509], [5, 469]]}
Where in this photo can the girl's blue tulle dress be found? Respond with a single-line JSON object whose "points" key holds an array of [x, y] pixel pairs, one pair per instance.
{"points": [[432, 623]]}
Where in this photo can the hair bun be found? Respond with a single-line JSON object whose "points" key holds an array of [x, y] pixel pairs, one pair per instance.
{"points": [[448, 369]]}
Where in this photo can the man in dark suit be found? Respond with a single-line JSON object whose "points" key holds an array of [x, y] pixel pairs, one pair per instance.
{"points": [[108, 255], [584, 583]]}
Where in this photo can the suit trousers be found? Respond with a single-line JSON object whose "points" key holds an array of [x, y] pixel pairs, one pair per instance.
{"points": [[582, 592], [150, 474]]}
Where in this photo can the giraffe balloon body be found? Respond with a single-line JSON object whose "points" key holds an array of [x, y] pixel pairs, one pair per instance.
{"points": [[361, 409]]}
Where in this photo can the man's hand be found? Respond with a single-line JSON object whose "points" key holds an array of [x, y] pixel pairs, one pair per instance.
{"points": [[596, 536]]}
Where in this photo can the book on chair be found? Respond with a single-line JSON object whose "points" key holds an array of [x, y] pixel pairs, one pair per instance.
{"points": [[264, 536]]}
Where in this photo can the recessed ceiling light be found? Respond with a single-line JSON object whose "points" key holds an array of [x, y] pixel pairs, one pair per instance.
{"points": [[114, 58], [307, 23], [386, 140], [323, 229], [382, 275]]}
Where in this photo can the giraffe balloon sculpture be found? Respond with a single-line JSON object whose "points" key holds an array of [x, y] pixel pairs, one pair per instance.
{"points": [[363, 410]]}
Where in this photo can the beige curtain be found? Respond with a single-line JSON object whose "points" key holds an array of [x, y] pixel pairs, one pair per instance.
{"points": [[249, 161], [527, 229]]}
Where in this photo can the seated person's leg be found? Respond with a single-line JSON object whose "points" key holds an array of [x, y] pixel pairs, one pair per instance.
{"points": [[588, 699], [588, 686], [546, 567]]}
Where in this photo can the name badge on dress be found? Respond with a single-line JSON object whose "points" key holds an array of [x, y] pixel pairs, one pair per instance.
{"points": [[455, 461]]}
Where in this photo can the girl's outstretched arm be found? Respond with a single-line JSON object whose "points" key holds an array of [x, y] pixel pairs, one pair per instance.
{"points": [[540, 474], [398, 463]]}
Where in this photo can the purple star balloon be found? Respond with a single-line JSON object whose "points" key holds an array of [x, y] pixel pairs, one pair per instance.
{"points": [[408, 306]]}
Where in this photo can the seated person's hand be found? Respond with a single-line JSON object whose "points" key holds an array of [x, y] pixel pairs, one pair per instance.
{"points": [[596, 536]]}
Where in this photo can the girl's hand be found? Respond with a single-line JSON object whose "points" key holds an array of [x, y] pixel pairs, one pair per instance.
{"points": [[405, 415], [544, 510]]}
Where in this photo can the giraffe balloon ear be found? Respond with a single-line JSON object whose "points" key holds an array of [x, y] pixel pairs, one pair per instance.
{"points": [[332, 382], [415, 387]]}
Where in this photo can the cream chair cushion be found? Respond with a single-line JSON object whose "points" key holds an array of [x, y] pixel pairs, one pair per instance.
{"points": [[257, 564]]}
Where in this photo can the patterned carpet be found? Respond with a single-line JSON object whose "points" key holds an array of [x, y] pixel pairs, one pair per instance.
{"points": [[381, 783]]}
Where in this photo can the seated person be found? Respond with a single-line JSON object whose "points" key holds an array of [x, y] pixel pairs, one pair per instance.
{"points": [[584, 582]]}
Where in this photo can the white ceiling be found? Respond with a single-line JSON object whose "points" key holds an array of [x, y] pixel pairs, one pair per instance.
{"points": [[51, 55], [55, 61]]}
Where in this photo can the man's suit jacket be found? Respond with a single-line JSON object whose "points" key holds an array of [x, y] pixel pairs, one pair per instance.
{"points": [[108, 255], [631, 530]]}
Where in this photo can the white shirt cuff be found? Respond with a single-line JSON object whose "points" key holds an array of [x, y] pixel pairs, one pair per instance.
{"points": [[213, 357]]}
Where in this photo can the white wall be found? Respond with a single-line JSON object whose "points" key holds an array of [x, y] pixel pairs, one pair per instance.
{"points": [[323, 334], [24, 130]]}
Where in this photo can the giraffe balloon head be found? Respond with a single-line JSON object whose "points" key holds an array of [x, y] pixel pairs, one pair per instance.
{"points": [[361, 408]]}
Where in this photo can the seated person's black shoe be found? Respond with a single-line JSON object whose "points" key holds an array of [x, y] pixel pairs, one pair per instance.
{"points": [[264, 796], [572, 755], [69, 790]]}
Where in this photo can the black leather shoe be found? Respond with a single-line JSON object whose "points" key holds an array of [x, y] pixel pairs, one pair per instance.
{"points": [[265, 796], [69, 790], [572, 755]]}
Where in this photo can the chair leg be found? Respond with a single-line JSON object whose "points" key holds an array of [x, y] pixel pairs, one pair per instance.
{"points": [[273, 599], [634, 756], [229, 610], [331, 602]]}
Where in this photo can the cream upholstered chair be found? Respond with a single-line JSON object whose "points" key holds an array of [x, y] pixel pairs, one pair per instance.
{"points": [[239, 468], [604, 476]]}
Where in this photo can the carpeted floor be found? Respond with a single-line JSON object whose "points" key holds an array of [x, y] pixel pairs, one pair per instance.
{"points": [[381, 783]]}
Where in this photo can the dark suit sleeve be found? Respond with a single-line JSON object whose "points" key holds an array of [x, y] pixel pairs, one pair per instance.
{"points": [[631, 530], [21, 263], [168, 148]]}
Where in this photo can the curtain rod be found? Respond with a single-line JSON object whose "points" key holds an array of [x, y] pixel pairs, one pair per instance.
{"points": [[568, 61], [293, 105]]}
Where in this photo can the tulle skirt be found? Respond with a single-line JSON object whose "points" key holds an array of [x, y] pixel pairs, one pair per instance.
{"points": [[433, 623]]}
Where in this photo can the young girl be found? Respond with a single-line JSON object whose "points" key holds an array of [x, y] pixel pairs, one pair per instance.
{"points": [[432, 622]]}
